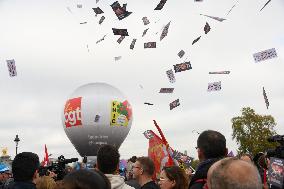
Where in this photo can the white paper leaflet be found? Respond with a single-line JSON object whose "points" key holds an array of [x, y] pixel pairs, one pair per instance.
{"points": [[181, 53], [171, 76], [117, 58], [145, 21], [264, 55], [215, 86], [120, 39], [174, 104], [220, 72], [166, 90], [265, 97], [133, 44], [165, 31], [12, 67]]}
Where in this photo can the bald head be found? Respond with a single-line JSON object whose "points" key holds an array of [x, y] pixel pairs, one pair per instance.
{"points": [[245, 158], [210, 171], [231, 173], [216, 164]]}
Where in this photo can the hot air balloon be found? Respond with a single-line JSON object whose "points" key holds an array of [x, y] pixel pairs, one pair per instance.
{"points": [[94, 115]]}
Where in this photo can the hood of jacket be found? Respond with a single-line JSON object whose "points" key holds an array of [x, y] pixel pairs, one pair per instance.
{"points": [[117, 182]]}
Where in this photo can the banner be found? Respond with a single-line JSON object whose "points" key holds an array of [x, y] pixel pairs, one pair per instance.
{"points": [[157, 151], [275, 172]]}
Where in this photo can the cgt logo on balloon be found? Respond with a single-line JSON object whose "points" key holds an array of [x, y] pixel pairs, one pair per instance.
{"points": [[72, 112], [121, 113]]}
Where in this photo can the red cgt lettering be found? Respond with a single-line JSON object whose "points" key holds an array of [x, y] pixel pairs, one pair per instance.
{"points": [[72, 112]]}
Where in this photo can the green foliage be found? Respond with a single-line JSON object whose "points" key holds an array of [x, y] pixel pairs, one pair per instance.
{"points": [[252, 130]]}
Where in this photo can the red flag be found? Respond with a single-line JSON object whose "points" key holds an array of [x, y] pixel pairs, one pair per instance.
{"points": [[45, 159], [157, 151], [169, 150]]}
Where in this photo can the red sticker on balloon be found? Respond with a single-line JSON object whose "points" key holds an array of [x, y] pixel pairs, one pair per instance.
{"points": [[72, 112]]}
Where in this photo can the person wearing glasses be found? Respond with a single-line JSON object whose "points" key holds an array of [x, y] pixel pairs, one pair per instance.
{"points": [[143, 170], [173, 178], [211, 146]]}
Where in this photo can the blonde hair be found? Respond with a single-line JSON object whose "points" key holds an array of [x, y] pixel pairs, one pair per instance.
{"points": [[45, 182]]}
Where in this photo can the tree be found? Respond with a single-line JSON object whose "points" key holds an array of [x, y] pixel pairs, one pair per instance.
{"points": [[251, 131]]}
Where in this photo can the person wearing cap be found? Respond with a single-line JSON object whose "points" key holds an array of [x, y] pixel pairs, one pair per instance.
{"points": [[4, 174]]}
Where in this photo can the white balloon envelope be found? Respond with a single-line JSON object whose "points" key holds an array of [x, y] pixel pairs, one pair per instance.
{"points": [[96, 114]]}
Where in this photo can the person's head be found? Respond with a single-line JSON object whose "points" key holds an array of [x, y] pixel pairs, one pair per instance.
{"points": [[129, 174], [45, 182], [210, 171], [173, 178], [4, 176], [5, 172], [25, 166], [256, 157], [246, 157], [133, 159], [85, 179], [232, 173], [108, 159], [143, 167], [68, 169], [260, 160], [211, 144]]}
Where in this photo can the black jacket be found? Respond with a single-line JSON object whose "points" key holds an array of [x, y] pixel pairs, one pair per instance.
{"points": [[150, 185], [133, 183], [201, 174], [22, 185]]}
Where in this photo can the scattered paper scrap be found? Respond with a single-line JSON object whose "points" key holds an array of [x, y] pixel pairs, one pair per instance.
{"points": [[215, 86]]}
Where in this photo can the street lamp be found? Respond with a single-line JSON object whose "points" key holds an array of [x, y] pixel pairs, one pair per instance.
{"points": [[17, 140]]}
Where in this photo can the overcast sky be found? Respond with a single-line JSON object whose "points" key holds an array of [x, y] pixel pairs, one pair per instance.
{"points": [[49, 46]]}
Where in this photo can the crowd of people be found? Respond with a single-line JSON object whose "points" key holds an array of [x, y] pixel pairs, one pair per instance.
{"points": [[215, 171]]}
